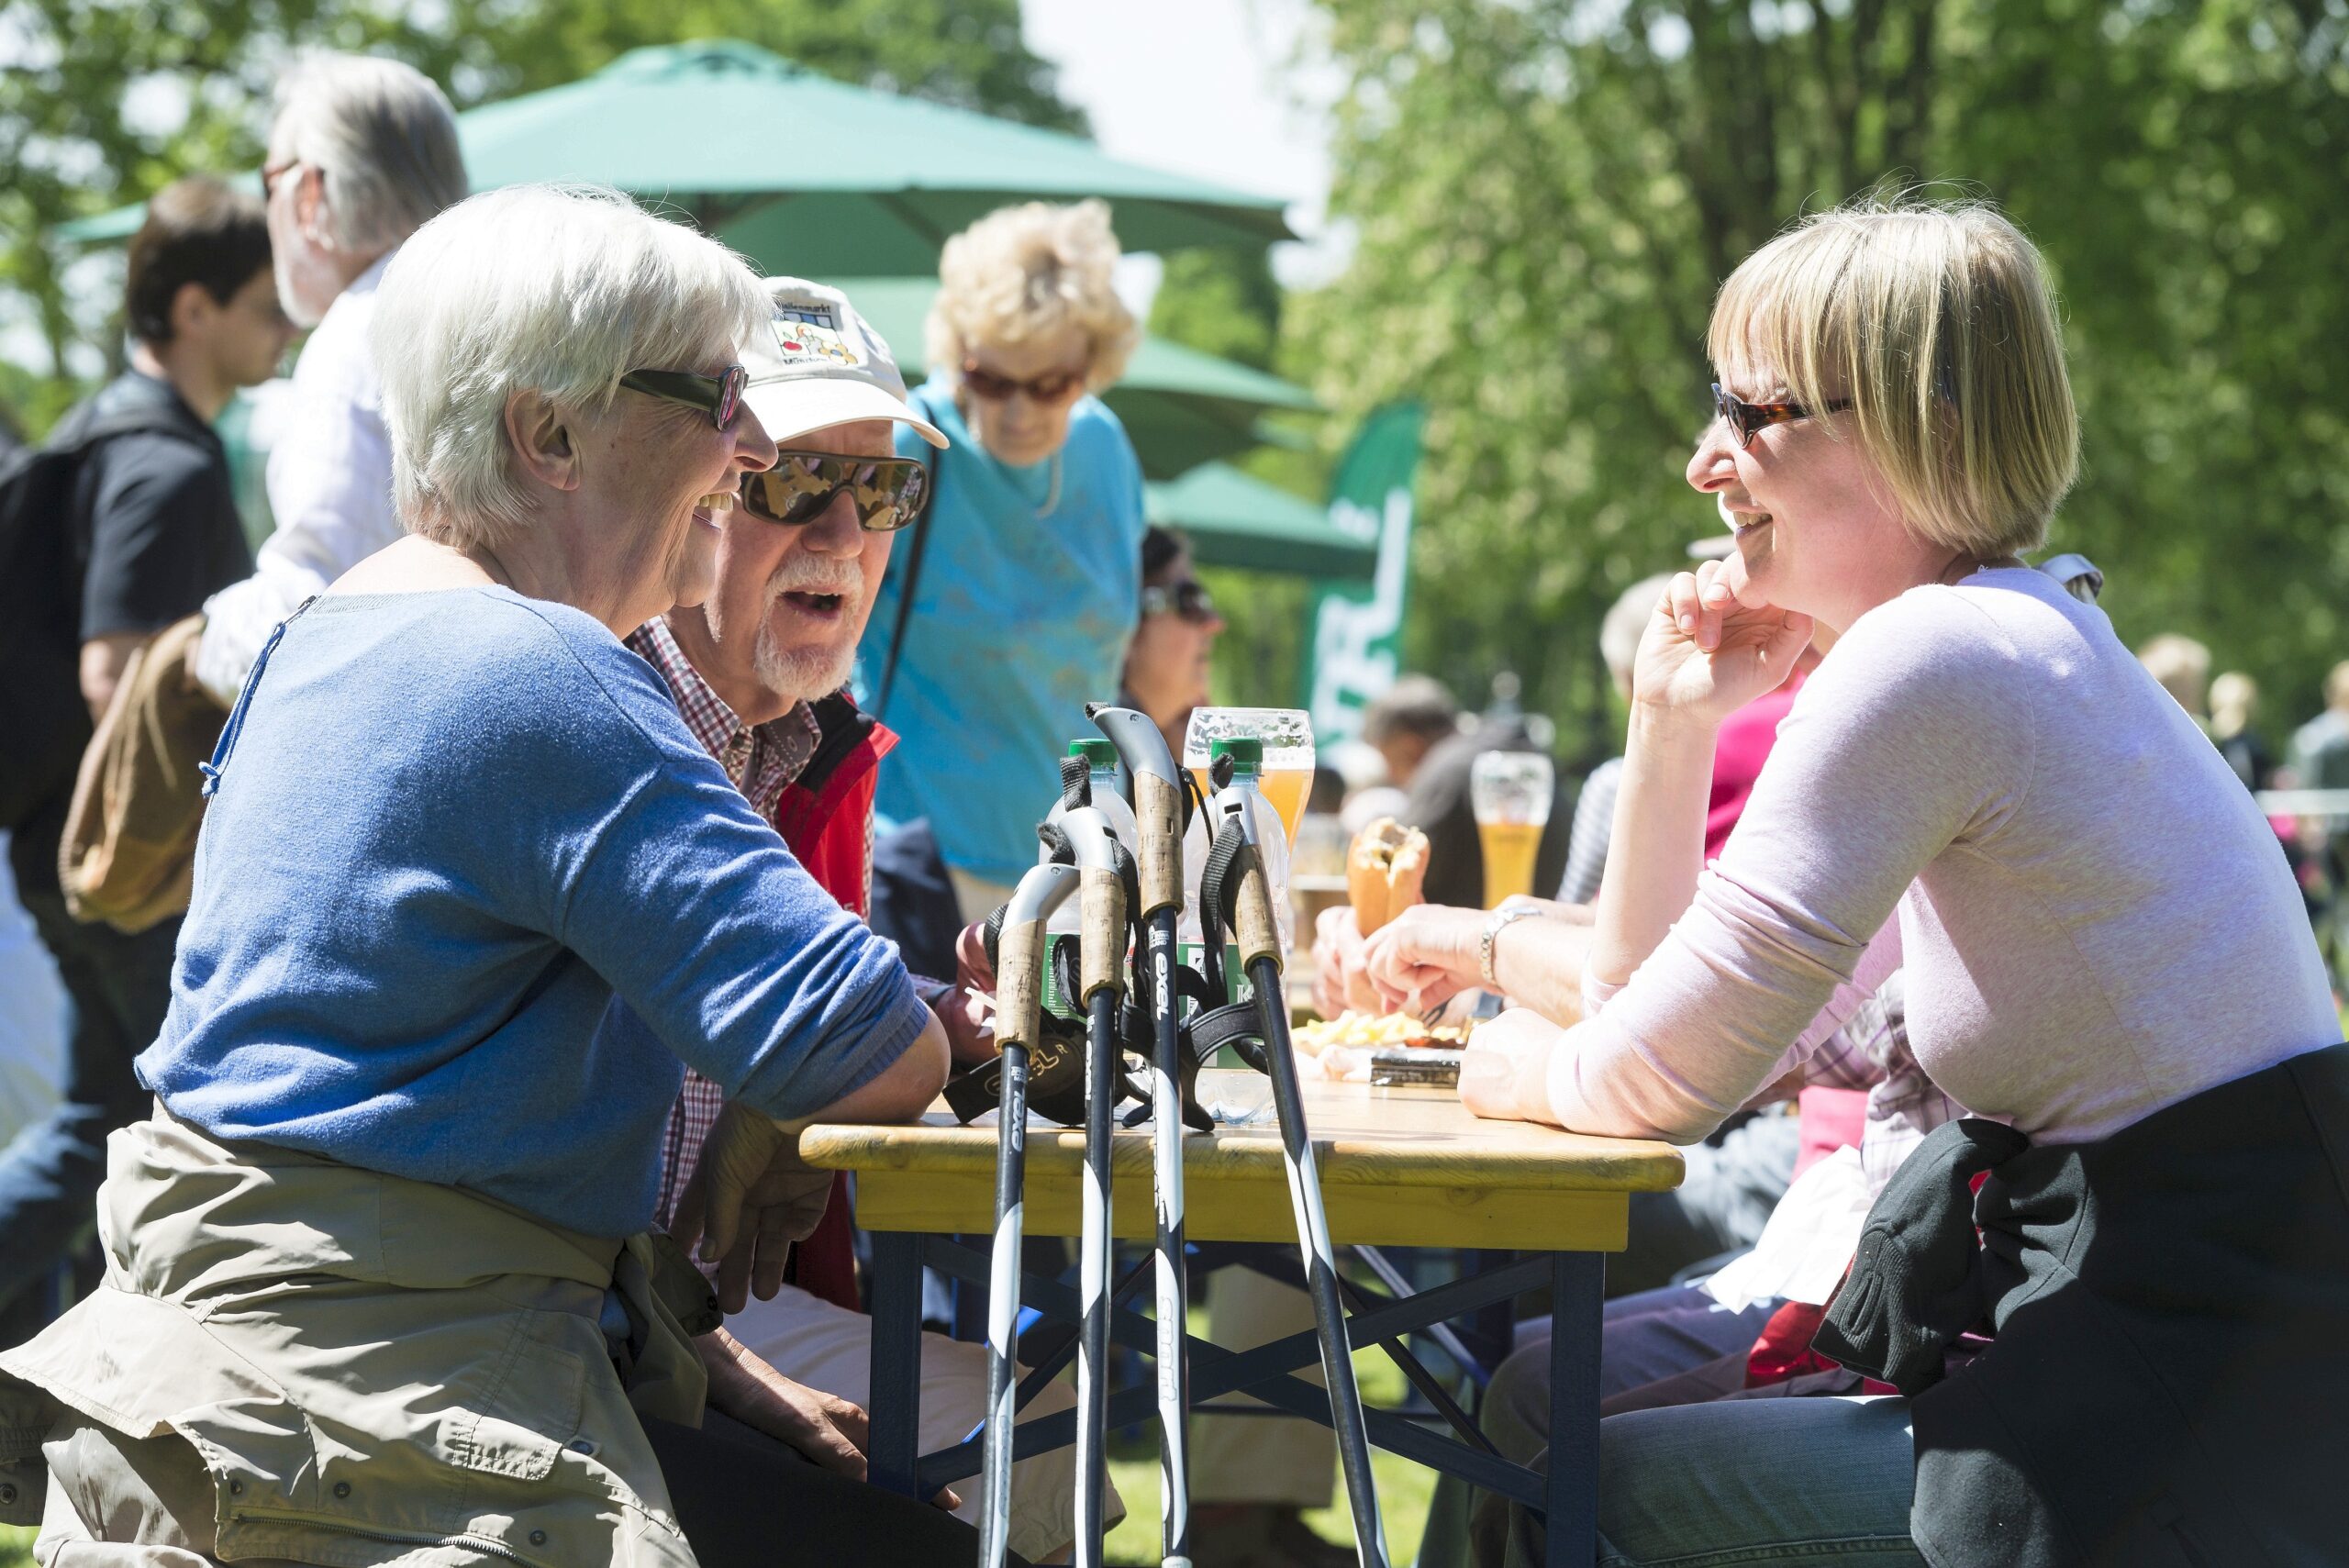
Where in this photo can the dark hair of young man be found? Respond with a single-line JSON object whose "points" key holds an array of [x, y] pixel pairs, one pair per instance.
{"points": [[1161, 548], [198, 230]]}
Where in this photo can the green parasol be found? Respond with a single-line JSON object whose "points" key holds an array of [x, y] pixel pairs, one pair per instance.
{"points": [[1236, 521], [808, 175]]}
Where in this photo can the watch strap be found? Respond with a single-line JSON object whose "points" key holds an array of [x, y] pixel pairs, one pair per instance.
{"points": [[1495, 923]]}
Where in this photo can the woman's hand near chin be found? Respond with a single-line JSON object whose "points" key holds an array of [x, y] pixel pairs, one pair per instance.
{"points": [[1706, 653]]}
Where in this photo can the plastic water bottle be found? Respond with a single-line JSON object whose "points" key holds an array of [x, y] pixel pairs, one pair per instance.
{"points": [[1107, 781], [1272, 851]]}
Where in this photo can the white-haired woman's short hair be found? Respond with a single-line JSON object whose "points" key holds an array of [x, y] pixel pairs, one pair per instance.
{"points": [[558, 290], [382, 137], [1026, 270]]}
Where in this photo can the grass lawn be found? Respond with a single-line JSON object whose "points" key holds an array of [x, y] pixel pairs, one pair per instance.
{"points": [[16, 1546], [1404, 1487]]}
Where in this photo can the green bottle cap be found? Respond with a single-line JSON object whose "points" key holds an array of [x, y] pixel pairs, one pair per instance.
{"points": [[1246, 752], [1097, 754]]}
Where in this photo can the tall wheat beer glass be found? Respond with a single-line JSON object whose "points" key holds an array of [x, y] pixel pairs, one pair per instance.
{"points": [[1288, 737], [1510, 792]]}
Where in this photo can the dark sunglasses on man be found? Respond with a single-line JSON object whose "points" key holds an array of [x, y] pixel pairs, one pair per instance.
{"points": [[888, 492], [1188, 599], [719, 396], [1747, 418], [1056, 387]]}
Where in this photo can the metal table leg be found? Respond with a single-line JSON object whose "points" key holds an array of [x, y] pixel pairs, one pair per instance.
{"points": [[896, 1399], [1578, 1293]]}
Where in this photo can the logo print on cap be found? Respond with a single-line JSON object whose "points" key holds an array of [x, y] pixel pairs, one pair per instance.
{"points": [[804, 333]]}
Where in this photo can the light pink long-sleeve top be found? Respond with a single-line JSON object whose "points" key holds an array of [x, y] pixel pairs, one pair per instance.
{"points": [[2096, 920]]}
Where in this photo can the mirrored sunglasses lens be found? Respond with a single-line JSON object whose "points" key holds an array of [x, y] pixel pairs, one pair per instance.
{"points": [[889, 495], [785, 494]]}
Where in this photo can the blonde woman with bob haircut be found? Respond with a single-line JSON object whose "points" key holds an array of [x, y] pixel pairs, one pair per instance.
{"points": [[2105, 953], [381, 1283], [1012, 605]]}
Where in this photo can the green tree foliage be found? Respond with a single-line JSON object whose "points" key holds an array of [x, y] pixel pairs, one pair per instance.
{"points": [[1547, 194], [102, 102], [1220, 302], [954, 52]]}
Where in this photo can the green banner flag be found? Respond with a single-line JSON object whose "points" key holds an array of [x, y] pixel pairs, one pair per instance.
{"points": [[1357, 633]]}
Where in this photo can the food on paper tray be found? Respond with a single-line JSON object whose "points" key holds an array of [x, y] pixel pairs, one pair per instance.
{"points": [[1380, 1031], [1384, 870], [1384, 1047]]}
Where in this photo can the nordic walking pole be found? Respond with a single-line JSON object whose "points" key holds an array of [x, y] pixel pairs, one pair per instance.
{"points": [[1101, 951], [1020, 977], [1259, 955], [1158, 809]]}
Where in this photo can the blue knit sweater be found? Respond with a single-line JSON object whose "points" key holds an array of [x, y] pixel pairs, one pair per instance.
{"points": [[468, 894]]}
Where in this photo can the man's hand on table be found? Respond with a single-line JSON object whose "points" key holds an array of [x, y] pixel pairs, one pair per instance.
{"points": [[827, 1428], [1432, 952], [1505, 1072], [970, 1024], [1422, 957], [751, 1198]]}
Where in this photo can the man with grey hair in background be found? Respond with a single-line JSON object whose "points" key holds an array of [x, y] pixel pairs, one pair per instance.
{"points": [[362, 153]]}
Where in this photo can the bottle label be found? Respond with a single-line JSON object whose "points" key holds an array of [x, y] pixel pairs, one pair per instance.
{"points": [[1236, 986]]}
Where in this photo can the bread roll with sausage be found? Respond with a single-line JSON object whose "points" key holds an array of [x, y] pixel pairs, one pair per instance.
{"points": [[1384, 870]]}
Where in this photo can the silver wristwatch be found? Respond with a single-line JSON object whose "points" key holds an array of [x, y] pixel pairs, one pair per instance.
{"points": [[1495, 923]]}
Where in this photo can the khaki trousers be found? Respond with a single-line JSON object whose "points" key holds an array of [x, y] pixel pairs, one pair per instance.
{"points": [[1256, 1459]]}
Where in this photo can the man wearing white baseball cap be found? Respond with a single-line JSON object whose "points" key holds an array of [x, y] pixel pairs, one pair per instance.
{"points": [[758, 670]]}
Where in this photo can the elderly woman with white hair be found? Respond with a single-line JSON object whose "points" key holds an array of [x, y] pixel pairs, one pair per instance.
{"points": [[380, 1285], [1012, 604]]}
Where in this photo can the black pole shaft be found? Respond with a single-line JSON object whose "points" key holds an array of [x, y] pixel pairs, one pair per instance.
{"points": [[1166, 1132], [1093, 1349], [1320, 1262], [1003, 1303]]}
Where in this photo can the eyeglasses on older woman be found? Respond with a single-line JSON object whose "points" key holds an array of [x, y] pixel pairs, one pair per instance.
{"points": [[719, 396]]}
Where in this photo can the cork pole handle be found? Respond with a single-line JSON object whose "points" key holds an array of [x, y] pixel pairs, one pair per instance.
{"points": [[1158, 809], [1255, 931], [1020, 985], [1104, 932]]}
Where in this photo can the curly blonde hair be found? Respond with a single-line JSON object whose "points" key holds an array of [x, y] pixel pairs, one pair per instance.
{"points": [[1029, 268], [1937, 320]]}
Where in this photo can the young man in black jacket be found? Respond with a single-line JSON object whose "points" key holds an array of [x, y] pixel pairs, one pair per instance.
{"points": [[149, 529]]}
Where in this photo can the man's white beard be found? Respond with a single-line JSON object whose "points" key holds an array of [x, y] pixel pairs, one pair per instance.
{"points": [[800, 674], [295, 271]]}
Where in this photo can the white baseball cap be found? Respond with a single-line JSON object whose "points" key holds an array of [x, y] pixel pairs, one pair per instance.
{"points": [[818, 364]]}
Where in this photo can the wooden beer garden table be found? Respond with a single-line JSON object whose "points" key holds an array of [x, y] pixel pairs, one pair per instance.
{"points": [[1400, 1166]]}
